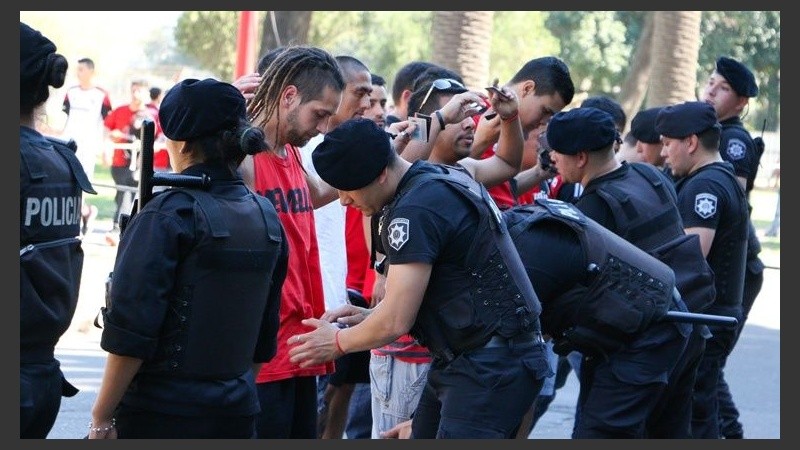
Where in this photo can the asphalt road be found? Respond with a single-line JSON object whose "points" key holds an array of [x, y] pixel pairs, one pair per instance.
{"points": [[753, 371]]}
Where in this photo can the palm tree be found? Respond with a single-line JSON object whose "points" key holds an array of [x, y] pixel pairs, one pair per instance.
{"points": [[676, 46], [461, 42]]}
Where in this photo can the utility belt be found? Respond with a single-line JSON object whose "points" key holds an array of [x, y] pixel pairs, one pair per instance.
{"points": [[442, 351]]}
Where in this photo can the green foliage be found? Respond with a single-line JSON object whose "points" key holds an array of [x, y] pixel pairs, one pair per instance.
{"points": [[519, 36], [209, 38], [383, 40], [595, 46]]}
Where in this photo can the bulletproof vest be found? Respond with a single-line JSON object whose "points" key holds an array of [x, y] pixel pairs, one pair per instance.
{"points": [[497, 298], [645, 212], [221, 286], [643, 207], [51, 256], [627, 289]]}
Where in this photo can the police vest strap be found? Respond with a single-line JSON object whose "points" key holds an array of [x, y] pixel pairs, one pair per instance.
{"points": [[211, 209], [270, 217]]}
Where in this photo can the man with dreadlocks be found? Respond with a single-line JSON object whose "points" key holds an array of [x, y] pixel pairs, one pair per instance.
{"points": [[300, 88]]}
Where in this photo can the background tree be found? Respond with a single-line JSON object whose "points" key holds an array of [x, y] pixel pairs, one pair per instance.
{"points": [[209, 38], [461, 42], [292, 27], [518, 37], [675, 47]]}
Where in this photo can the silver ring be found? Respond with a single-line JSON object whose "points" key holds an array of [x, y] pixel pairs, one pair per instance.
{"points": [[402, 133]]}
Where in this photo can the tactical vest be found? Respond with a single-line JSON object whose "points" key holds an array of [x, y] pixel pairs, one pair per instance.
{"points": [[51, 256], [221, 286], [646, 215], [487, 294], [627, 291], [643, 207]]}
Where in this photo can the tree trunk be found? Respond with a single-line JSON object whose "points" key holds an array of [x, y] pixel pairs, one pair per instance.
{"points": [[461, 42], [676, 46], [634, 87], [291, 26]]}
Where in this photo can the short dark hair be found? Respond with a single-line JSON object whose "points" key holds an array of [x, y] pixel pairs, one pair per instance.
{"points": [[404, 78], [378, 80], [350, 65], [610, 106], [709, 138], [154, 93], [551, 76], [88, 61], [423, 83]]}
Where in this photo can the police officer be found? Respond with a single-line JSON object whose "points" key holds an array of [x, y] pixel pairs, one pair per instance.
{"points": [[648, 141], [454, 280], [196, 287], [729, 90], [713, 206], [52, 182], [636, 202]]}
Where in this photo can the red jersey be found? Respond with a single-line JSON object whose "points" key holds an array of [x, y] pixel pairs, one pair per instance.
{"points": [[282, 181]]}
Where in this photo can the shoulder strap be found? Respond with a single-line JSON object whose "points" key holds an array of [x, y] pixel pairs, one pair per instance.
{"points": [[211, 209]]}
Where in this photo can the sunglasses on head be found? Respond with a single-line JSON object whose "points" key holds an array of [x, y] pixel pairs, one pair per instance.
{"points": [[440, 84]]}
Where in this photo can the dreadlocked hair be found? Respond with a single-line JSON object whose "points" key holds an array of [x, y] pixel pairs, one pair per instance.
{"points": [[310, 69]]}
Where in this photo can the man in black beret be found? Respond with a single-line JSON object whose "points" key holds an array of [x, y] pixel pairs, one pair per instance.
{"points": [[648, 141], [713, 206], [636, 202], [729, 90], [441, 232]]}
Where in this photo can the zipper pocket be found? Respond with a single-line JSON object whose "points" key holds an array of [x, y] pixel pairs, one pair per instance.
{"points": [[48, 244]]}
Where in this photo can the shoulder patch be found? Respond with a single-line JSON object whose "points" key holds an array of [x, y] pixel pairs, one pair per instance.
{"points": [[736, 149], [705, 205], [398, 233]]}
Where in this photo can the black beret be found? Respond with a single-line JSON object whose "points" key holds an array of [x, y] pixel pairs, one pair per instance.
{"points": [[352, 155], [685, 119], [33, 51], [580, 129], [195, 108], [643, 126], [738, 76]]}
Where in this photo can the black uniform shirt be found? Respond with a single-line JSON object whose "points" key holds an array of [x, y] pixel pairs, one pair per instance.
{"points": [[708, 198], [148, 259], [432, 224]]}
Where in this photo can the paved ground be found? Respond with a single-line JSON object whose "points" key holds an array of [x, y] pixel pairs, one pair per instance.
{"points": [[753, 370]]}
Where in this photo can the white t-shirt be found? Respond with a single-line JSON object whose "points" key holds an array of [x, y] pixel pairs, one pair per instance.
{"points": [[85, 124], [330, 224]]}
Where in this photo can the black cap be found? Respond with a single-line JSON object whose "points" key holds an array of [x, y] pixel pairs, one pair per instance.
{"points": [[33, 51], [738, 76], [353, 154], [685, 119], [643, 126], [195, 108], [580, 129]]}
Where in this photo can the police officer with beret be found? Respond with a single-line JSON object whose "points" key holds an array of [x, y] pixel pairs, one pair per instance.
{"points": [[195, 296], [454, 281], [648, 141], [713, 206], [52, 182], [637, 202], [729, 90]]}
